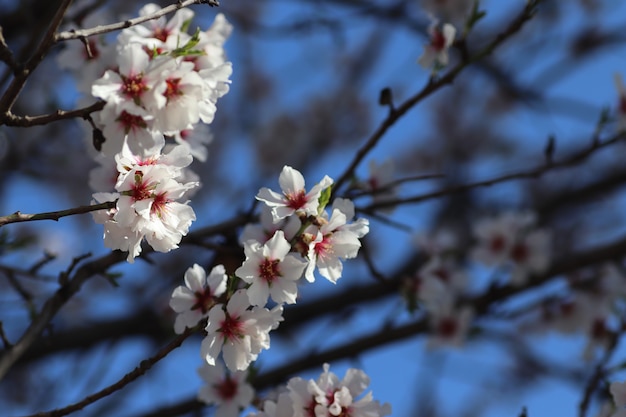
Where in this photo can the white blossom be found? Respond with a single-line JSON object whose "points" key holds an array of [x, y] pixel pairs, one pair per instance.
{"points": [[228, 390], [294, 198], [193, 301], [238, 332], [329, 396], [271, 270], [436, 51]]}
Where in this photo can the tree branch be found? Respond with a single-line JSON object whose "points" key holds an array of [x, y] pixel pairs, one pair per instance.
{"points": [[433, 86], [14, 89], [141, 369], [10, 119], [99, 30], [573, 160], [18, 217]]}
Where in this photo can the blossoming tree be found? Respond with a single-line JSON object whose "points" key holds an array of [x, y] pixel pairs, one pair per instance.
{"points": [[218, 211]]}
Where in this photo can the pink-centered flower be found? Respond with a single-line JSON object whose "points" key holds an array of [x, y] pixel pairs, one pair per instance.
{"points": [[271, 270], [229, 391], [294, 197], [155, 33], [329, 396], [333, 241], [436, 51], [193, 301], [131, 86], [238, 332]]}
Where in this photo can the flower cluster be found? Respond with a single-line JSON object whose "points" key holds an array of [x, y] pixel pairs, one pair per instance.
{"points": [[163, 82], [296, 236], [592, 305], [160, 85], [512, 240], [438, 285], [509, 241], [326, 397], [229, 391], [148, 202]]}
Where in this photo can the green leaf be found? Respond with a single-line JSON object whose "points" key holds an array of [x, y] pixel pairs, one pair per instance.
{"points": [[324, 199], [185, 25], [188, 48]]}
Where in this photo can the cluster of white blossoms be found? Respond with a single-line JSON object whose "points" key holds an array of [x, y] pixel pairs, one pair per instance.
{"points": [[160, 85], [296, 237], [437, 286], [326, 397], [148, 194], [164, 81], [509, 242], [592, 305]]}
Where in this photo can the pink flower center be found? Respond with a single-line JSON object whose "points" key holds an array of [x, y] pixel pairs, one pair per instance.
{"points": [[159, 205], [443, 274], [598, 329], [497, 243], [227, 389], [438, 42], [520, 253], [131, 121], [231, 328], [204, 300], [140, 190], [161, 34], [185, 134], [134, 87], [324, 248], [296, 200], [447, 327], [269, 270], [172, 88]]}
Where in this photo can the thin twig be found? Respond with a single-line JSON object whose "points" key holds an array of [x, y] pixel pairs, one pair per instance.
{"points": [[6, 55], [431, 87], [54, 215], [536, 172], [81, 275], [392, 184], [596, 377], [46, 259], [14, 89], [99, 30], [141, 369], [64, 275], [10, 119]]}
